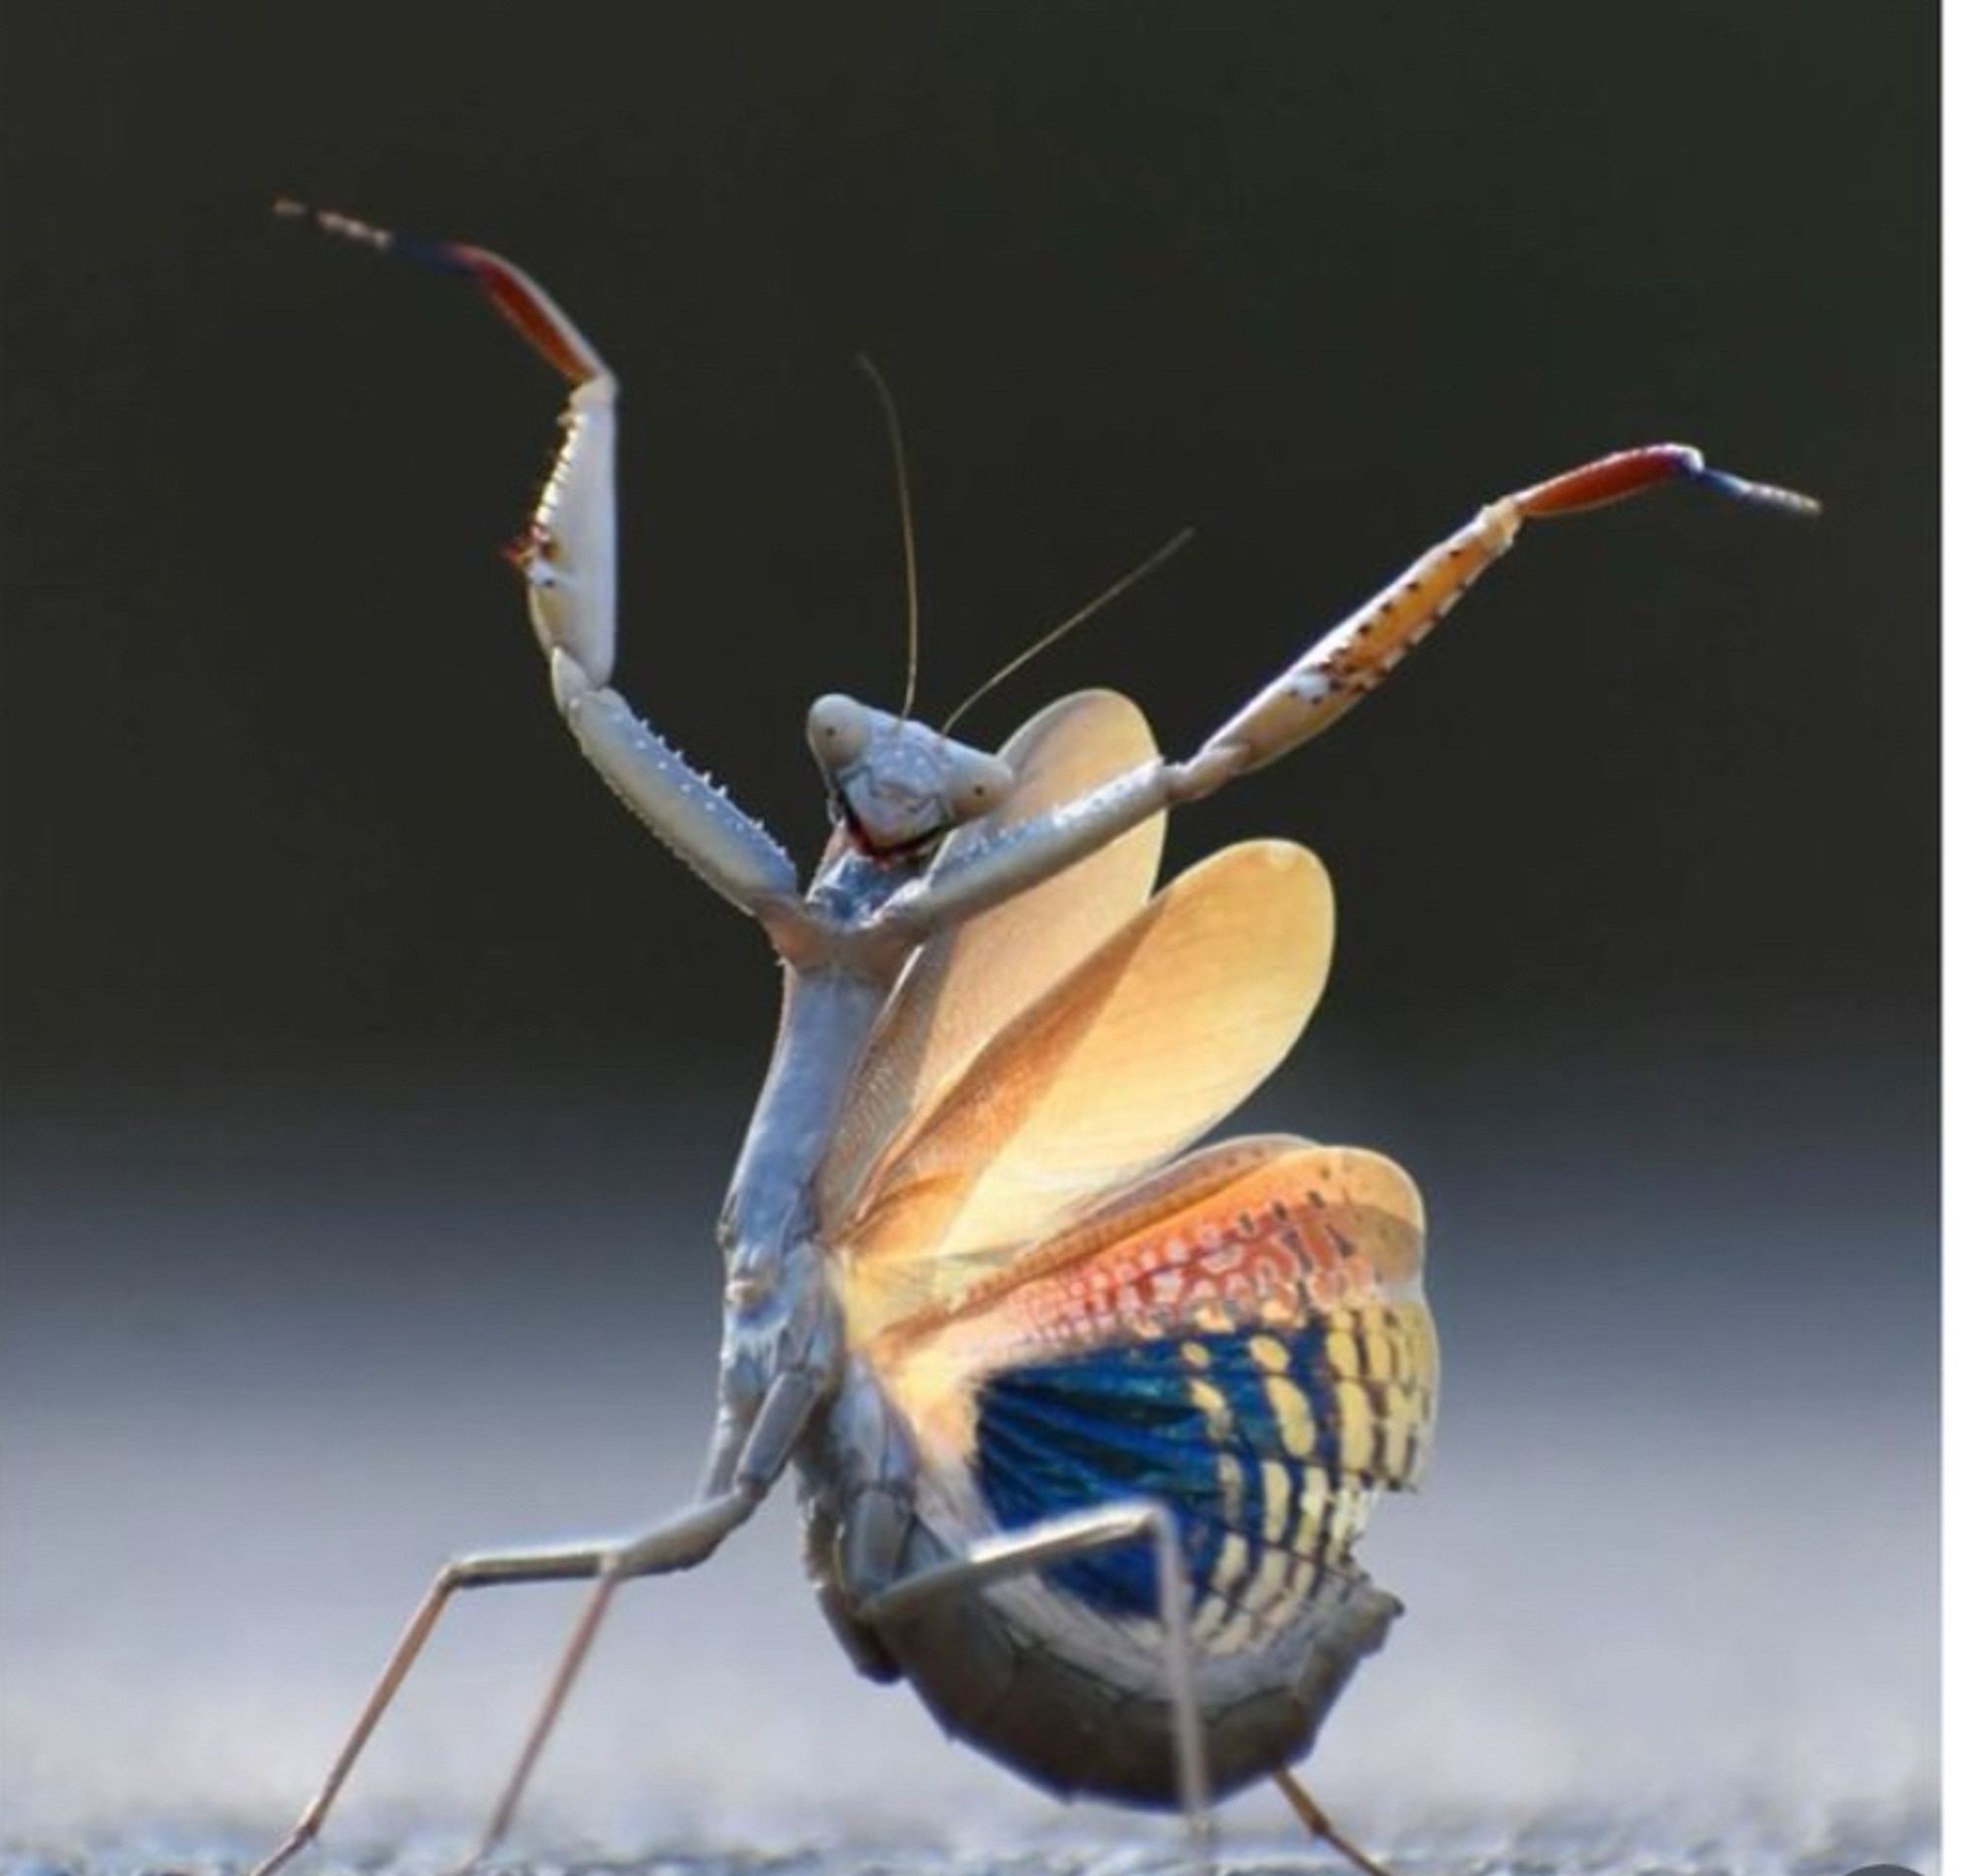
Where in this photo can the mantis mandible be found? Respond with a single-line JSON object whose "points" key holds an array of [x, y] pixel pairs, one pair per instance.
{"points": [[1085, 1431]]}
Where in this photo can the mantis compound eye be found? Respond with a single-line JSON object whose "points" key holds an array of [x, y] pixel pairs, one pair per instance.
{"points": [[837, 731], [978, 782]]}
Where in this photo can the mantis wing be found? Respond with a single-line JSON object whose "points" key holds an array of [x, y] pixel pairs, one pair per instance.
{"points": [[967, 984], [1151, 1039], [1242, 1335]]}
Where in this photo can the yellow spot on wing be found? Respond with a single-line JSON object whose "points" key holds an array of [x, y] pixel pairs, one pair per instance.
{"points": [[1234, 1564], [1343, 1352], [1209, 1619], [1380, 1358], [1350, 1514], [1313, 1494], [1269, 1584], [1208, 1400], [1400, 1348], [1356, 1426], [1270, 1354], [1294, 1414]]}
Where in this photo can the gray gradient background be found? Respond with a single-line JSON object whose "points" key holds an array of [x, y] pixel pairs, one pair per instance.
{"points": [[372, 1080]]}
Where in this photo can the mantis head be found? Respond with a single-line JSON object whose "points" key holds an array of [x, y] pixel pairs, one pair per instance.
{"points": [[897, 785]]}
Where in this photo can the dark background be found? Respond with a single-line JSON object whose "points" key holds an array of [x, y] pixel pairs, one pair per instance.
{"points": [[364, 1059]]}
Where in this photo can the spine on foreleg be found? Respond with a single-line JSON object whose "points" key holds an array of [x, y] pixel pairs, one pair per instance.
{"points": [[1359, 653], [567, 555]]}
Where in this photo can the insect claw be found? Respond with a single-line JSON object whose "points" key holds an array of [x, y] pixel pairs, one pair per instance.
{"points": [[1199, 1851], [287, 209], [1310, 1813], [297, 1841], [1787, 501], [1612, 478]]}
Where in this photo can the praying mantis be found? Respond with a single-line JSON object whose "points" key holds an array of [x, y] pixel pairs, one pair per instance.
{"points": [[1085, 1426]]}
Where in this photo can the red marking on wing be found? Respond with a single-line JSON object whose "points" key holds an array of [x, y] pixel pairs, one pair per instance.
{"points": [[1286, 1254], [1239, 1235]]}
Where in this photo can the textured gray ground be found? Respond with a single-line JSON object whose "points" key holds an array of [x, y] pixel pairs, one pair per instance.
{"points": [[1559, 1847]]}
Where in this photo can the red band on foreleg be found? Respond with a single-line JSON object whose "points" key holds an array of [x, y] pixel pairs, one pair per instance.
{"points": [[520, 298], [527, 307], [1612, 478]]}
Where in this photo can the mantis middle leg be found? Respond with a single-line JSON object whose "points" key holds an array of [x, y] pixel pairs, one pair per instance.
{"points": [[748, 1456], [680, 1543]]}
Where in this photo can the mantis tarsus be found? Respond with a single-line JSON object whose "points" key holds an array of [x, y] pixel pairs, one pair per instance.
{"points": [[1084, 1431]]}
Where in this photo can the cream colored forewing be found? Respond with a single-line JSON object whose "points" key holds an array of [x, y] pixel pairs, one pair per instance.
{"points": [[967, 984], [1150, 1041]]}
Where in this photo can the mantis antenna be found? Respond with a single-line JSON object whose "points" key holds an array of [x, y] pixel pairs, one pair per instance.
{"points": [[1173, 546], [894, 424]]}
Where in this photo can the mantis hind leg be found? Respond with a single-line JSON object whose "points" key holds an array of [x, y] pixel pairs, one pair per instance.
{"points": [[1019, 1552], [1315, 1820]]}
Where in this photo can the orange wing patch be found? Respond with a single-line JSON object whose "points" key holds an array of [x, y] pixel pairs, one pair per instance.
{"points": [[1259, 1233], [1242, 1335]]}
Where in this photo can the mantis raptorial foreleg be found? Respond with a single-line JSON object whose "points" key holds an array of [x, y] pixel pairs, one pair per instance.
{"points": [[1352, 659], [1342, 666], [568, 557]]}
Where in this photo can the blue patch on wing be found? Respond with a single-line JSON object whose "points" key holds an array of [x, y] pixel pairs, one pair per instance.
{"points": [[1125, 1422]]}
